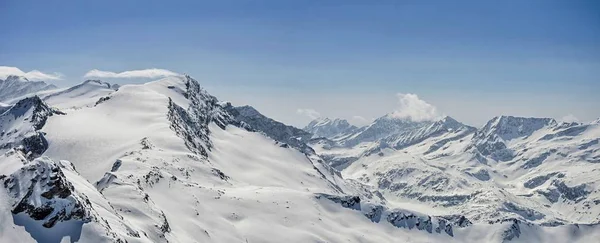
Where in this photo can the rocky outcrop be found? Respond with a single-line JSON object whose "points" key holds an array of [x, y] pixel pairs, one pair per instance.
{"points": [[558, 189], [41, 190], [294, 137], [491, 139], [20, 126], [398, 217], [192, 123]]}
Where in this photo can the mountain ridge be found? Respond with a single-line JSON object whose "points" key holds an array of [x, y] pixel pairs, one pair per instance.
{"points": [[15, 86], [165, 161]]}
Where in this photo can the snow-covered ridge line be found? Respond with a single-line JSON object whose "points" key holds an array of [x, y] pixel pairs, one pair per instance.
{"points": [[327, 128], [169, 163], [285, 134]]}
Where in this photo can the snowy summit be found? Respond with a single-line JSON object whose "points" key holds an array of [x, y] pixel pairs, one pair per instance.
{"points": [[165, 161]]}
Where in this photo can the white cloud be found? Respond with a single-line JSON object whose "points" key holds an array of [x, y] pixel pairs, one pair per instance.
{"points": [[33, 75], [142, 73], [313, 114], [360, 121], [415, 109], [569, 118]]}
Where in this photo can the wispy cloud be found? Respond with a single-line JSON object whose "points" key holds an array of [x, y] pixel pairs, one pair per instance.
{"points": [[360, 121], [142, 73], [415, 109], [313, 114], [33, 75], [569, 118]]}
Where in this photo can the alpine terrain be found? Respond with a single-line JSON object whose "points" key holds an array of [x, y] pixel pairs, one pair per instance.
{"points": [[14, 86], [165, 161]]}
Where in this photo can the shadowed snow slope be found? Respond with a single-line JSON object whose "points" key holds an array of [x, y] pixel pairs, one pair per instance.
{"points": [[166, 162]]}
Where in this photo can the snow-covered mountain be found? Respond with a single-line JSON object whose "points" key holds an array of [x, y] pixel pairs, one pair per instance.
{"points": [[331, 129], [166, 161], [533, 170], [387, 132], [16, 86]]}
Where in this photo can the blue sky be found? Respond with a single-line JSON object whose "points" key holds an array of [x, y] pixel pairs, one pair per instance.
{"points": [[470, 59]]}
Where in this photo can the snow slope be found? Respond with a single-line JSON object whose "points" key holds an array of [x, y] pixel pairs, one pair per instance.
{"points": [[166, 162]]}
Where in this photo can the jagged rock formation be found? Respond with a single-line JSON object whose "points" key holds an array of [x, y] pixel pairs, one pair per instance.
{"points": [[41, 190], [492, 138], [278, 131], [20, 126], [400, 218], [192, 123]]}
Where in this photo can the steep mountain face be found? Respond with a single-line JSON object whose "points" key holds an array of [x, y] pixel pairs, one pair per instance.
{"points": [[492, 139], [20, 125], [330, 129], [16, 86], [165, 161], [254, 120]]}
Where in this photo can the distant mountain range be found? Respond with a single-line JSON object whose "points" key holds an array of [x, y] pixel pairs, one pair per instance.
{"points": [[530, 169], [17, 86]]}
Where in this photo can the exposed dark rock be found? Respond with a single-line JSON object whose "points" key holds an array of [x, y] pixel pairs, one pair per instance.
{"points": [[400, 218], [34, 146], [539, 180], [102, 100], [146, 144], [220, 174], [289, 135], [536, 161], [352, 202], [513, 231], [165, 227], [192, 124], [116, 165], [47, 194], [33, 112]]}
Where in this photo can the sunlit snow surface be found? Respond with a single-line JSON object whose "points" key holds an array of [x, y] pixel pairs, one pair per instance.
{"points": [[125, 154]]}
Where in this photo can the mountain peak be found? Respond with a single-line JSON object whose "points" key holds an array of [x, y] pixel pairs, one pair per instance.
{"points": [[510, 127], [449, 123], [18, 86], [16, 78], [325, 127], [448, 120], [248, 111]]}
